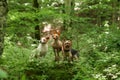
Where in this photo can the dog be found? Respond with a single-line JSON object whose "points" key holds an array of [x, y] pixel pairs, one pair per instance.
{"points": [[42, 48], [69, 53], [56, 44]]}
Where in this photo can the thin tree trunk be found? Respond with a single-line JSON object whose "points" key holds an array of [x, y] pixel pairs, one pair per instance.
{"points": [[69, 10], [99, 20], [37, 29], [99, 17], [72, 12], [3, 13], [118, 17], [114, 12]]}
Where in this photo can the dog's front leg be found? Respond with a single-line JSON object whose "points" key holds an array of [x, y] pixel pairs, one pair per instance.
{"points": [[58, 56], [55, 53], [63, 54], [70, 57], [76, 57]]}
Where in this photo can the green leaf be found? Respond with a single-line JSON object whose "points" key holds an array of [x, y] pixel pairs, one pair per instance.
{"points": [[23, 77], [3, 74]]}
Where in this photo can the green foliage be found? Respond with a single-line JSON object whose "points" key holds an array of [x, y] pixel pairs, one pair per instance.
{"points": [[109, 73], [3, 74], [95, 62], [94, 31]]}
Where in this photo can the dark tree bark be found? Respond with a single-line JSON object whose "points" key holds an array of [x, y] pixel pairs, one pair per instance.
{"points": [[3, 13], [37, 29]]}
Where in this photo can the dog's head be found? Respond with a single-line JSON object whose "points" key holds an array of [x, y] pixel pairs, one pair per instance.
{"points": [[44, 40], [67, 44], [55, 34]]}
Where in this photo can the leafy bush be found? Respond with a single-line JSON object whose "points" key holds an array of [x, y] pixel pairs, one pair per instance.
{"points": [[92, 31], [3, 74]]}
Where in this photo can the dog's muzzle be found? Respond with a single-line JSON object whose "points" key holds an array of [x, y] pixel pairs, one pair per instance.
{"points": [[67, 46]]}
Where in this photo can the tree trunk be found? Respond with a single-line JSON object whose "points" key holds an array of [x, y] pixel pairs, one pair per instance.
{"points": [[99, 19], [114, 6], [69, 10], [118, 17], [3, 12], [72, 12], [37, 29]]}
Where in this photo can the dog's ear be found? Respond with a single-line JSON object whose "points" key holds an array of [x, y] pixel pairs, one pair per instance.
{"points": [[63, 40], [58, 31], [70, 41], [55, 31], [47, 37], [52, 31]]}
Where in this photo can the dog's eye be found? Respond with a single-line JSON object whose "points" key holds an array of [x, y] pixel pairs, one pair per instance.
{"points": [[47, 37], [52, 35]]}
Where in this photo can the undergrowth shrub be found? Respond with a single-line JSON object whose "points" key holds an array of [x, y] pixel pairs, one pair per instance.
{"points": [[14, 59], [99, 58]]}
